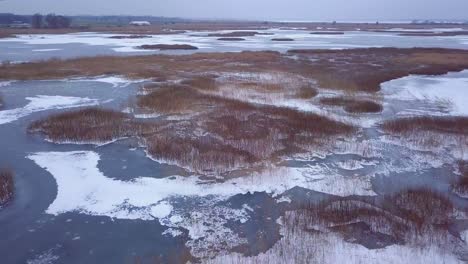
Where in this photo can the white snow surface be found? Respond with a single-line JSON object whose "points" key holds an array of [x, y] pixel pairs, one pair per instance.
{"points": [[45, 50], [449, 90], [115, 81], [5, 83], [83, 188], [42, 103]]}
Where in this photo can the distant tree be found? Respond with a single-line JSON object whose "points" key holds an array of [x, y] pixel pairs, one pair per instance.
{"points": [[54, 21], [63, 22], [51, 20], [37, 21]]}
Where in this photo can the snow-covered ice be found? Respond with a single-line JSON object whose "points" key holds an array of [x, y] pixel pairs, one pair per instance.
{"points": [[450, 90], [42, 103], [115, 81], [83, 188]]}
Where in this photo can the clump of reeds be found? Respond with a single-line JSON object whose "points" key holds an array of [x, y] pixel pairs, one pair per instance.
{"points": [[460, 184], [204, 82], [406, 215], [173, 99], [282, 39], [202, 154], [305, 92], [452, 125], [235, 34], [130, 37], [168, 47], [352, 105], [6, 185], [231, 39], [89, 125]]}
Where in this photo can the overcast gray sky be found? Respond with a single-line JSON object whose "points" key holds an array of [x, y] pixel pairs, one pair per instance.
{"points": [[251, 9]]}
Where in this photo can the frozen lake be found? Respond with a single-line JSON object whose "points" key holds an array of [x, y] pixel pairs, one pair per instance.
{"points": [[84, 203], [40, 47]]}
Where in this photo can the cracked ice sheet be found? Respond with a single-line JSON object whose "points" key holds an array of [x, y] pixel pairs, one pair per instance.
{"points": [[43, 103], [83, 188]]}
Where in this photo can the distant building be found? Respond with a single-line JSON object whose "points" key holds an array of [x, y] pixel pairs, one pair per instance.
{"points": [[19, 24], [140, 23]]}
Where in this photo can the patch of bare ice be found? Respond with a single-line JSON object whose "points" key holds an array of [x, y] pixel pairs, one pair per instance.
{"points": [[43, 103]]}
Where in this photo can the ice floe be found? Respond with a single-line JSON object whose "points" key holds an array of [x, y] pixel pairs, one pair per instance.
{"points": [[42, 103]]}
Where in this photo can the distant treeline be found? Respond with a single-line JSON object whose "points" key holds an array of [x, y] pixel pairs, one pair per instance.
{"points": [[36, 20], [123, 20], [58, 21], [6, 18], [50, 21]]}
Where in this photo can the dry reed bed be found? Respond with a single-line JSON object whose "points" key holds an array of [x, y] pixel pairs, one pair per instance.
{"points": [[221, 135], [460, 185], [366, 69], [352, 105], [92, 125], [6, 185], [130, 37], [451, 125], [446, 135], [235, 34], [408, 216], [231, 39], [306, 92], [282, 39], [234, 133], [168, 47], [350, 70]]}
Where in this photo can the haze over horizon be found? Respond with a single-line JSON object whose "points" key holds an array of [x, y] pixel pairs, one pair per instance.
{"points": [[365, 10]]}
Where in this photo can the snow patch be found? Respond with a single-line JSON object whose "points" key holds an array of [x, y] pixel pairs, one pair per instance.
{"points": [[45, 50], [115, 81]]}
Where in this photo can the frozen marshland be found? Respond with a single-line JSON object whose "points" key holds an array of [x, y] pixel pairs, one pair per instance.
{"points": [[281, 157]]}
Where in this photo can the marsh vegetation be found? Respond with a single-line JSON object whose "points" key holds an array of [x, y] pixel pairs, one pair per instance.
{"points": [[6, 185]]}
